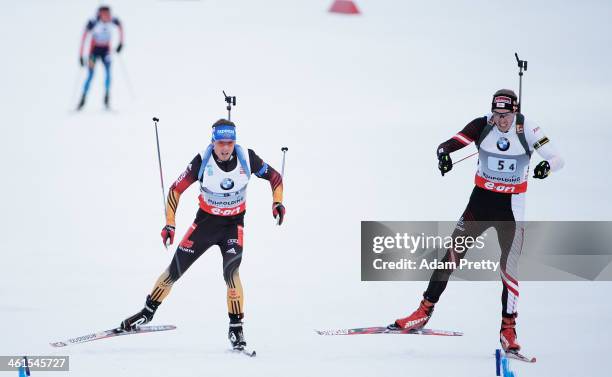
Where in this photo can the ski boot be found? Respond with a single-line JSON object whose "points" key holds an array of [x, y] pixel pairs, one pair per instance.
{"points": [[416, 320], [144, 316], [236, 336], [106, 101], [507, 334]]}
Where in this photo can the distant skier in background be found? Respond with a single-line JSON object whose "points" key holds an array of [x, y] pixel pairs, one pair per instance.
{"points": [[505, 142], [100, 29], [223, 171]]}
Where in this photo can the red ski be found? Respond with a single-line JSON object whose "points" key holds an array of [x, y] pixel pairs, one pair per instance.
{"points": [[385, 330]]}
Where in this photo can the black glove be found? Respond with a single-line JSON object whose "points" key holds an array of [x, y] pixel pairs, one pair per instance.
{"points": [[81, 61], [278, 211], [119, 48], [445, 164], [541, 170]]}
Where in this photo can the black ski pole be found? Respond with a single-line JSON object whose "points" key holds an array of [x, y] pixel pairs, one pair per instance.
{"points": [[161, 174], [284, 150]]}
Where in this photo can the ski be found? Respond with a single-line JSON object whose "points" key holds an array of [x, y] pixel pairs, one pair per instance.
{"points": [[245, 352], [111, 333], [519, 356], [385, 330]]}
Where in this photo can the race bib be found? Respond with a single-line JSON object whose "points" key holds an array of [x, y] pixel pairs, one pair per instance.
{"points": [[503, 165]]}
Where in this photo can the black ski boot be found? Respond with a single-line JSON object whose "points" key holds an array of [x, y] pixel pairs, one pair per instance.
{"points": [[81, 103], [142, 317], [106, 101], [236, 337]]}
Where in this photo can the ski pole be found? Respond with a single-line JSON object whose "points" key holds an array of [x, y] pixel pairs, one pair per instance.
{"points": [[284, 150], [161, 175], [465, 158], [127, 77], [77, 81]]}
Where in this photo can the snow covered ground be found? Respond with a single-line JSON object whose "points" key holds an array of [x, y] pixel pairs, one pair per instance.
{"points": [[361, 102]]}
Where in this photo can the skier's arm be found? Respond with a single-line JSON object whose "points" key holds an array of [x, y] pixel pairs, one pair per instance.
{"points": [[466, 136], [185, 180], [542, 144], [88, 28], [471, 132], [267, 172]]}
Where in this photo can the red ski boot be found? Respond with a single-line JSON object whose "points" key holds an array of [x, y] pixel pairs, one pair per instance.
{"points": [[416, 320], [507, 334]]}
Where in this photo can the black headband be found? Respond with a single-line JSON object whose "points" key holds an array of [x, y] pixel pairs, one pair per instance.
{"points": [[504, 102]]}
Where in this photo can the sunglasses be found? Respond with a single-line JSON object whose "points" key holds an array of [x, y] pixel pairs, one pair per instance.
{"points": [[502, 115]]}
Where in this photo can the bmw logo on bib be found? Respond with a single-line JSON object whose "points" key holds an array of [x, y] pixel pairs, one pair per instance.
{"points": [[503, 144], [227, 184]]}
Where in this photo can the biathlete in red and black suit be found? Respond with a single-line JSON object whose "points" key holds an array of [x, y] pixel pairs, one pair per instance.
{"points": [[223, 171], [505, 142]]}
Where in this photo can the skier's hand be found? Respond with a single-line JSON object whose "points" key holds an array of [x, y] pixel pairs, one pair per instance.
{"points": [[541, 170], [445, 164], [81, 61], [167, 235], [278, 211], [119, 47]]}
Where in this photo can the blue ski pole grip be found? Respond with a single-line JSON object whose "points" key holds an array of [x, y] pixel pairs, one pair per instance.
{"points": [[497, 361], [505, 367]]}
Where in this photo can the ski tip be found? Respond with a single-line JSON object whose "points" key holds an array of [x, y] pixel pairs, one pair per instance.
{"points": [[520, 357], [243, 351]]}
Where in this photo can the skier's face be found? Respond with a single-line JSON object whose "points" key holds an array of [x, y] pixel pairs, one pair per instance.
{"points": [[224, 149], [503, 119], [105, 16]]}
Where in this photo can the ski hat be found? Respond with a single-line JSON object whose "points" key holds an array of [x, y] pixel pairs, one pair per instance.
{"points": [[103, 8], [504, 99], [223, 129]]}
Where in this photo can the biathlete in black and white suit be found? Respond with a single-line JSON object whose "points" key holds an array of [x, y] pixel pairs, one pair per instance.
{"points": [[223, 171], [505, 142]]}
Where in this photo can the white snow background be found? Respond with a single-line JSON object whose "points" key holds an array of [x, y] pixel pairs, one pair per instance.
{"points": [[361, 102]]}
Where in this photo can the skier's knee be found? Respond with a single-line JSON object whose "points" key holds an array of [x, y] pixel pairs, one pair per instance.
{"points": [[231, 276]]}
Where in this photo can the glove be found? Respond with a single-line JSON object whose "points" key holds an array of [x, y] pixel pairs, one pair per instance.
{"points": [[541, 170], [445, 164], [119, 48], [167, 235], [278, 211], [81, 61]]}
